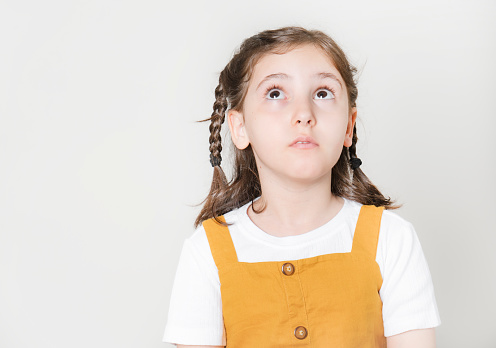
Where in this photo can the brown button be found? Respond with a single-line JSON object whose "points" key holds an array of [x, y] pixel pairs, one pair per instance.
{"points": [[300, 332], [288, 269]]}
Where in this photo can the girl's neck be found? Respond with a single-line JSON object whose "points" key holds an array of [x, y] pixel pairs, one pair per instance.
{"points": [[295, 210]]}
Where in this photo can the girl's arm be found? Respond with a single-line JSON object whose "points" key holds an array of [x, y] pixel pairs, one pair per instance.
{"points": [[424, 338]]}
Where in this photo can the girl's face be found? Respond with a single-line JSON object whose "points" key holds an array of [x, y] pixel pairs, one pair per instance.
{"points": [[295, 116]]}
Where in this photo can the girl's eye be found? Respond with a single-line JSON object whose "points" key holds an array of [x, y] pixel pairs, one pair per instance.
{"points": [[274, 93], [325, 93]]}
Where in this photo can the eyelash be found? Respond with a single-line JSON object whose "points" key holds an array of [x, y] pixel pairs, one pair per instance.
{"points": [[321, 87]]}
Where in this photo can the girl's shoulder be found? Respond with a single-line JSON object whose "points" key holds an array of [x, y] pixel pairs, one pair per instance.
{"points": [[391, 220], [197, 244], [230, 217], [397, 231], [397, 236]]}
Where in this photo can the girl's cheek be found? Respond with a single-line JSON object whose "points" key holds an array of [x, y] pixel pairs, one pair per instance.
{"points": [[327, 107], [272, 106]]}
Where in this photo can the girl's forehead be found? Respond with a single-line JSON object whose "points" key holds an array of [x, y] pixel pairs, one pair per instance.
{"points": [[303, 59]]}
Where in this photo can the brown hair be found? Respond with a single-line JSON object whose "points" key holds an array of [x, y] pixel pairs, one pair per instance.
{"points": [[245, 185]]}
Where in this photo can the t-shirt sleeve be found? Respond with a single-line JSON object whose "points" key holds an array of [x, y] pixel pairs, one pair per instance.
{"points": [[195, 310], [407, 291]]}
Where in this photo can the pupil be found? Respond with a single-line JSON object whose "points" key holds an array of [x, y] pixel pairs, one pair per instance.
{"points": [[274, 94], [322, 94]]}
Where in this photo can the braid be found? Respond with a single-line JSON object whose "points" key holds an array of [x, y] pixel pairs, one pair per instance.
{"points": [[219, 181], [352, 148], [362, 189], [216, 120], [355, 162]]}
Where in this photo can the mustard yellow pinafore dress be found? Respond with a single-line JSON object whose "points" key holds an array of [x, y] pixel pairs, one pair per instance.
{"points": [[324, 301]]}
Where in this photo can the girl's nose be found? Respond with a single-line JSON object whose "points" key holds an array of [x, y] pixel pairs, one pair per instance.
{"points": [[303, 114]]}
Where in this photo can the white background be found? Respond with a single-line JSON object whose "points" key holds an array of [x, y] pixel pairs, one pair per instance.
{"points": [[101, 161]]}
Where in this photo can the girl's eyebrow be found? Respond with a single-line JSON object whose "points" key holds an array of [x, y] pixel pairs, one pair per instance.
{"points": [[329, 75], [272, 77], [321, 75]]}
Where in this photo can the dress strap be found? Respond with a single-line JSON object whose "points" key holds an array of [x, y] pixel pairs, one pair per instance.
{"points": [[221, 244], [367, 230]]}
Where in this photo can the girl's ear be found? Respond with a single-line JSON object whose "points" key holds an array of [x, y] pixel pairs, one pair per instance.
{"points": [[237, 127], [348, 138]]}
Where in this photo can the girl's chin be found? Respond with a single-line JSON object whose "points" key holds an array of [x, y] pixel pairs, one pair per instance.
{"points": [[310, 176]]}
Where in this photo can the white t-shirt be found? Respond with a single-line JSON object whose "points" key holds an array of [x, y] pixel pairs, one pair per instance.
{"points": [[407, 292]]}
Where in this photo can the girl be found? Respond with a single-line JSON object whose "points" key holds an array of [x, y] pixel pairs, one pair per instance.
{"points": [[299, 248]]}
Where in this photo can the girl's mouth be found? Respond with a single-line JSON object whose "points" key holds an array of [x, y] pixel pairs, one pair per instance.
{"points": [[303, 142]]}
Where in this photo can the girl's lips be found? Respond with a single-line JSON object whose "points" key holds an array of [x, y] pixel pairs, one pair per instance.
{"points": [[304, 143]]}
